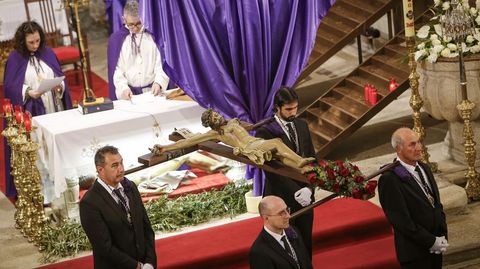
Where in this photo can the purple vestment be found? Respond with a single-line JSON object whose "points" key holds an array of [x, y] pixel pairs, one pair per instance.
{"points": [[115, 43], [14, 77]]}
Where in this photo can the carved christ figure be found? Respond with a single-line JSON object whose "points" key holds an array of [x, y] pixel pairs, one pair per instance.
{"points": [[234, 134]]}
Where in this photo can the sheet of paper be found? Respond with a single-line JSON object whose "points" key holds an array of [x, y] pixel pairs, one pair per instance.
{"points": [[48, 83], [143, 98]]}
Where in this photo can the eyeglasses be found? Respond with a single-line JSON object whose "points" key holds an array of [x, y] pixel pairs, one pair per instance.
{"points": [[282, 213], [134, 24]]}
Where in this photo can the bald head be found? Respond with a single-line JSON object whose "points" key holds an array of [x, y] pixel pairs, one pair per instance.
{"points": [[407, 145], [268, 204], [399, 135]]}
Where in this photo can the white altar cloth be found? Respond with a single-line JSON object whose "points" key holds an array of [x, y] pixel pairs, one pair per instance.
{"points": [[68, 140]]}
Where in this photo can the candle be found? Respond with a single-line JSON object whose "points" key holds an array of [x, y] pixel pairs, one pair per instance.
{"points": [[6, 105], [18, 116], [372, 96], [366, 92], [27, 121], [408, 18], [18, 108], [392, 84]]}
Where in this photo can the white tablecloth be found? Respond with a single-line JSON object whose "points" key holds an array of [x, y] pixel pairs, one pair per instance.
{"points": [[68, 140]]}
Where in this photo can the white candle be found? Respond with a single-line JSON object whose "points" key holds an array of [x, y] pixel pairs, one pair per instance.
{"points": [[408, 18]]}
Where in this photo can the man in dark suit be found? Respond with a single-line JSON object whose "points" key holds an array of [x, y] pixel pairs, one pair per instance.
{"points": [[295, 134], [114, 218], [410, 199], [278, 245]]}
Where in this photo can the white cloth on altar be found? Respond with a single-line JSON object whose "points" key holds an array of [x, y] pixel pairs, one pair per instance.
{"points": [[139, 69], [68, 140], [166, 182]]}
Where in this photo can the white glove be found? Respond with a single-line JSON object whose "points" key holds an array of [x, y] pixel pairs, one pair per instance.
{"points": [[440, 245], [303, 196]]}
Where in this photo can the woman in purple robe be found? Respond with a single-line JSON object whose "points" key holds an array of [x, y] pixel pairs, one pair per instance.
{"points": [[26, 67]]}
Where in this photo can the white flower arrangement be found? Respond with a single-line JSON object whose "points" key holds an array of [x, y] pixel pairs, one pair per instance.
{"points": [[430, 39]]}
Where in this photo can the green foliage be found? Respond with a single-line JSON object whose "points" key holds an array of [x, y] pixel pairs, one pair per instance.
{"points": [[66, 240], [165, 215], [170, 215]]}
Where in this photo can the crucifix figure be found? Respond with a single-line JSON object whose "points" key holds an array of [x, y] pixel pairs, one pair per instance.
{"points": [[235, 134]]}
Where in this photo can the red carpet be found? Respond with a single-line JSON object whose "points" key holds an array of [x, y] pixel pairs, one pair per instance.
{"points": [[347, 233], [99, 86]]}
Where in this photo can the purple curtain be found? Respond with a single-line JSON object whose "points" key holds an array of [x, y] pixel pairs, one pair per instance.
{"points": [[114, 13], [233, 55]]}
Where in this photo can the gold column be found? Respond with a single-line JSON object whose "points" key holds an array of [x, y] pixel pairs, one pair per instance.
{"points": [[416, 102], [35, 197]]}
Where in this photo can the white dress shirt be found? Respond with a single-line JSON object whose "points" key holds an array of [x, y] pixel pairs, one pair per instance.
{"points": [[283, 125], [411, 170]]}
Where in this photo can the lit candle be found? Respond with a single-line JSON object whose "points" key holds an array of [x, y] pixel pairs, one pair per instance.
{"points": [[18, 116], [18, 108], [408, 18], [27, 121], [392, 84]]}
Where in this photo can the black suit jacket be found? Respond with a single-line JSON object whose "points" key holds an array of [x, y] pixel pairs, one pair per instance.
{"points": [[285, 187], [415, 222], [117, 244], [275, 184], [267, 253]]}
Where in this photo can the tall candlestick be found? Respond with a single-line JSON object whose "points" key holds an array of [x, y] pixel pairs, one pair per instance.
{"points": [[408, 18]]}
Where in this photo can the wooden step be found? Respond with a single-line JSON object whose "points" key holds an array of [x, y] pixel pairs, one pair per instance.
{"points": [[338, 31], [397, 48], [333, 116], [344, 104], [360, 82], [379, 71], [351, 11], [367, 5], [345, 12], [352, 93], [400, 63], [338, 22], [328, 35], [323, 133]]}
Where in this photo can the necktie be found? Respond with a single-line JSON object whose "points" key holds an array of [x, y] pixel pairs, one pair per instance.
{"points": [[425, 185], [122, 200], [289, 250], [293, 135]]}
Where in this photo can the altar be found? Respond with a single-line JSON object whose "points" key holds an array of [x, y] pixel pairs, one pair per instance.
{"points": [[68, 140]]}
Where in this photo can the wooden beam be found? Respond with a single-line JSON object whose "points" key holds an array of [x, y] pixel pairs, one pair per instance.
{"points": [[225, 151]]}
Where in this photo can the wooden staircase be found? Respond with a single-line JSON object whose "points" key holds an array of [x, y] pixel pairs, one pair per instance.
{"points": [[345, 21], [343, 109]]}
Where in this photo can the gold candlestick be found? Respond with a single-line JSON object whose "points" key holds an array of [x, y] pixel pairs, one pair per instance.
{"points": [[416, 102], [38, 220]]}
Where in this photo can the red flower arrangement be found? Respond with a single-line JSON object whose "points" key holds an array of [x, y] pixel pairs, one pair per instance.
{"points": [[343, 178]]}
